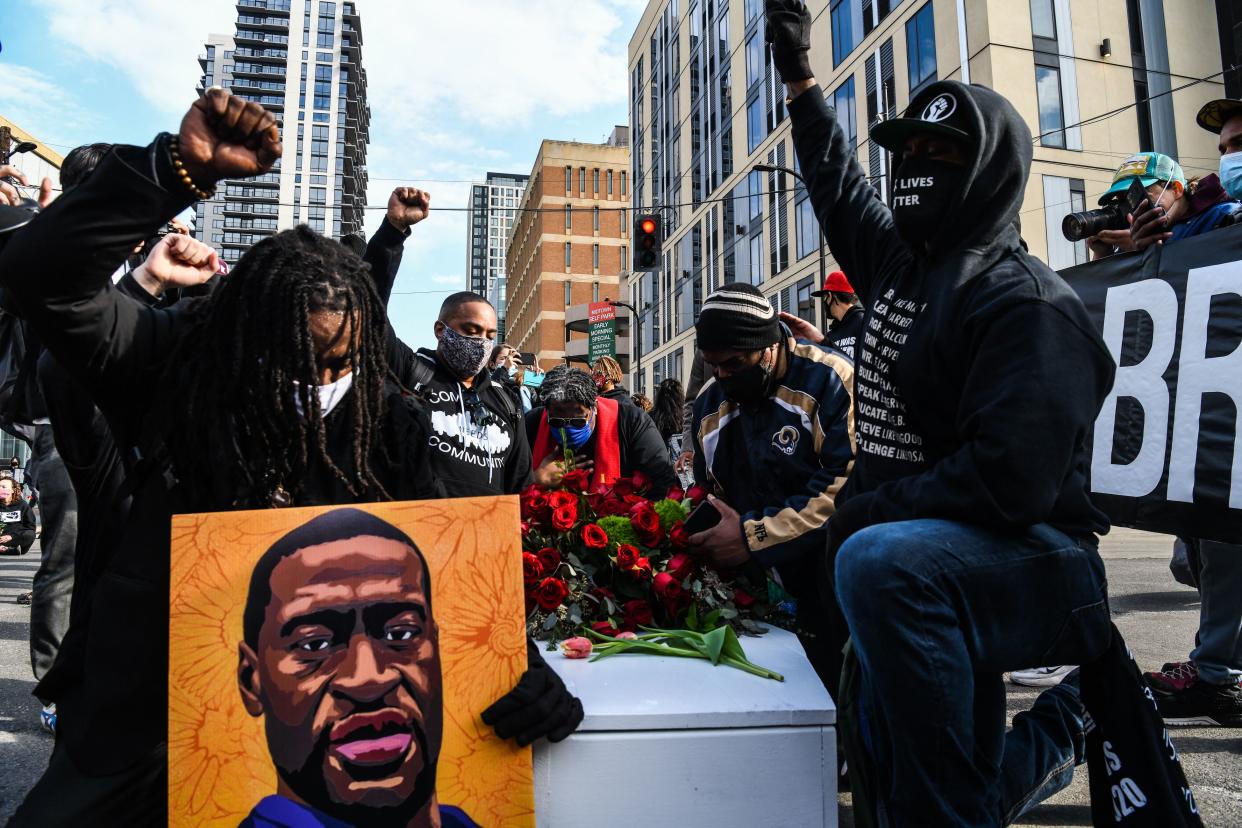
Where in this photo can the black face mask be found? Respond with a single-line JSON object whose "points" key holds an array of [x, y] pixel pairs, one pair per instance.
{"points": [[923, 194], [747, 387]]}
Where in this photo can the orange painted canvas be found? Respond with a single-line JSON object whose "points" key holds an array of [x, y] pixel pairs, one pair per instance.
{"points": [[306, 637]]}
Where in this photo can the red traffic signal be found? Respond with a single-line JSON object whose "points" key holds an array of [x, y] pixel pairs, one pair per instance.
{"points": [[648, 241]]}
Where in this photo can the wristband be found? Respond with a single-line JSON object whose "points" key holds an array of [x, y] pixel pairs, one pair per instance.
{"points": [[174, 149]]}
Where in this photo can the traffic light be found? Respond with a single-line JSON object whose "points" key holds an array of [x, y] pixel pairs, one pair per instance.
{"points": [[648, 239]]}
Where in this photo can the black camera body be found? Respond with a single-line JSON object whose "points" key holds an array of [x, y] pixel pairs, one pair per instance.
{"points": [[1112, 216]]}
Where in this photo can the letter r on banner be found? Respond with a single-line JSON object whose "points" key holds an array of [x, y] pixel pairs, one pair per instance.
{"points": [[1143, 382], [1199, 374]]}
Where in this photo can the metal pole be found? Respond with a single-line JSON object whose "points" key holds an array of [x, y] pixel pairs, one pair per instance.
{"points": [[823, 264]]}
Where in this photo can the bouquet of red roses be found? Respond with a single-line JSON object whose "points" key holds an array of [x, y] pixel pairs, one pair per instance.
{"points": [[613, 559]]}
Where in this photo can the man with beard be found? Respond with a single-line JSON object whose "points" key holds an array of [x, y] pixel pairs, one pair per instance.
{"points": [[341, 657]]}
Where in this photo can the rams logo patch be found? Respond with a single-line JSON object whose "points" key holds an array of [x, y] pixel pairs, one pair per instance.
{"points": [[786, 440]]}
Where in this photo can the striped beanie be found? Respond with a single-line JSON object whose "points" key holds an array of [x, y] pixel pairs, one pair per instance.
{"points": [[736, 317]]}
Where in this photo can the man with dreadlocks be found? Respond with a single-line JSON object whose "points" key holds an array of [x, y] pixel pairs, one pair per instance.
{"points": [[279, 376]]}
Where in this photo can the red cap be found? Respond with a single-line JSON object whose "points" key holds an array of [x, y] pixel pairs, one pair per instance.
{"points": [[836, 283]]}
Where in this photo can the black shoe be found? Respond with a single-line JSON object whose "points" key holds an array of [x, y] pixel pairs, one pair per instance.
{"points": [[1200, 703], [25, 598]]}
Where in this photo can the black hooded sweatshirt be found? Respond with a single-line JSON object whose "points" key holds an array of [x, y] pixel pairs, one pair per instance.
{"points": [[844, 333], [979, 374]]}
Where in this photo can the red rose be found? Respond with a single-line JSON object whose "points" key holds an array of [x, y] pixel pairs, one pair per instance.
{"points": [[675, 493], [696, 494], [642, 569], [641, 481], [612, 506], [534, 504], [594, 537], [623, 487], [576, 480], [564, 518], [550, 593], [532, 568], [681, 566], [627, 556], [646, 525], [558, 500], [605, 628], [670, 593], [743, 599], [550, 559], [678, 536], [637, 613]]}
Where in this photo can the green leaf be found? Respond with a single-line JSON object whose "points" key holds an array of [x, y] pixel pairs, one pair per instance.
{"points": [[549, 622], [714, 642], [573, 559]]}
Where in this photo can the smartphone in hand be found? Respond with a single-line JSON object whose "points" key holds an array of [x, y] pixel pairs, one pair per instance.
{"points": [[704, 517]]}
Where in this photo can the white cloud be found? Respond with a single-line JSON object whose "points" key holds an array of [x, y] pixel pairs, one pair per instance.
{"points": [[493, 62], [155, 43], [36, 104]]}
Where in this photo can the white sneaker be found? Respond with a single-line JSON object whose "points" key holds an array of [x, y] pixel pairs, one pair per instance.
{"points": [[1042, 676]]}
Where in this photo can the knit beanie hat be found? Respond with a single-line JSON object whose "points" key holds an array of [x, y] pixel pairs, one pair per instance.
{"points": [[737, 317]]}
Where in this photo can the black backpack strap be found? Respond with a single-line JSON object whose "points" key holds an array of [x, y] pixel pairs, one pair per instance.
{"points": [[422, 371]]}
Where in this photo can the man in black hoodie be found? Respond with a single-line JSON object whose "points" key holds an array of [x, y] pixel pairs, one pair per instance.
{"points": [[965, 540]]}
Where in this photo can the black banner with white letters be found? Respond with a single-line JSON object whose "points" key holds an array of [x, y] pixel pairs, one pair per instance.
{"points": [[1167, 455]]}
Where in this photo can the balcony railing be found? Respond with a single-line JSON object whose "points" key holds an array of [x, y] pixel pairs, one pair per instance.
{"points": [[265, 5], [261, 54]]}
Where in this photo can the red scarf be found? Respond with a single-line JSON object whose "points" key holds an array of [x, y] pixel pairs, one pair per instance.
{"points": [[607, 442]]}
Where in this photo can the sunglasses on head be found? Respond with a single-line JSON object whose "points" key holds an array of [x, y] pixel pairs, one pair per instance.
{"points": [[567, 422]]}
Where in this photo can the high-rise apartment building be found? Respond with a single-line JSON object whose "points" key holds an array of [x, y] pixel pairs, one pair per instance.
{"points": [[569, 244], [318, 90], [492, 209], [1094, 80]]}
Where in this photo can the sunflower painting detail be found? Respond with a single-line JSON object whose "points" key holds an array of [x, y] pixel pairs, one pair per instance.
{"points": [[333, 662]]}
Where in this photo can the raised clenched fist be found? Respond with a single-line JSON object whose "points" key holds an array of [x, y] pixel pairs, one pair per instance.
{"points": [[223, 136], [789, 33], [177, 261], [408, 206]]}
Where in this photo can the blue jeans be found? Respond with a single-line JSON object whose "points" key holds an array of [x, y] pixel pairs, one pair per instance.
{"points": [[938, 611], [1219, 654]]}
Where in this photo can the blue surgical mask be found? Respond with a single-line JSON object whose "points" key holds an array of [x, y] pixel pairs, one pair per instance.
{"points": [[1231, 174], [577, 437]]}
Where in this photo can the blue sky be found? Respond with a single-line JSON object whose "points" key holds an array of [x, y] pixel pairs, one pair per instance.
{"points": [[456, 89]]}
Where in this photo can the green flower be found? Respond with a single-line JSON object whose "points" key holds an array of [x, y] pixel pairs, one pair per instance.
{"points": [[619, 530], [670, 511]]}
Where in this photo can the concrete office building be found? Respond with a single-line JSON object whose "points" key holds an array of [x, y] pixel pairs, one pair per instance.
{"points": [[569, 245], [706, 106], [319, 92], [492, 205]]}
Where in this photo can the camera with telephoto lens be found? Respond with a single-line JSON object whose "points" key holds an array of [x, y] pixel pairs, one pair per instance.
{"points": [[1088, 223]]}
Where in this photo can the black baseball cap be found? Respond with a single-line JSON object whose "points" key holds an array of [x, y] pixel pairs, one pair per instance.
{"points": [[1213, 115], [938, 109], [12, 218]]}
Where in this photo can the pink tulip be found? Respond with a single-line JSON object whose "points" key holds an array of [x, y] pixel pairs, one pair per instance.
{"points": [[577, 647]]}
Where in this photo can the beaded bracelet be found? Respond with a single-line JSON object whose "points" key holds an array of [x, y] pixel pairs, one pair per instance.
{"points": [[174, 149]]}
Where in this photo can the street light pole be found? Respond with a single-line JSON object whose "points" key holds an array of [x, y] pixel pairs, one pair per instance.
{"points": [[636, 325], [823, 264]]}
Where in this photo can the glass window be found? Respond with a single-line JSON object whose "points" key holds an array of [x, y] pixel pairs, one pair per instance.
{"points": [[754, 58], [1078, 203], [595, 291], [623, 183], [1051, 121], [569, 218], [846, 29], [610, 182], [1043, 19], [595, 257], [756, 259], [921, 48], [569, 177], [753, 7], [808, 229], [569, 286], [755, 123], [595, 219], [582, 180], [847, 110], [568, 254], [596, 179]]}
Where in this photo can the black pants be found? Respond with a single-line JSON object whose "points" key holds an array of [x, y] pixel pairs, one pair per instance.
{"points": [[53, 583], [67, 796]]}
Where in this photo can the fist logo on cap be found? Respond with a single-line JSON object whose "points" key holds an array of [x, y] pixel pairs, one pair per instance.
{"points": [[941, 107]]}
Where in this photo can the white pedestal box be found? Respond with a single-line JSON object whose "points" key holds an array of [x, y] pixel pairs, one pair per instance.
{"points": [[679, 743]]}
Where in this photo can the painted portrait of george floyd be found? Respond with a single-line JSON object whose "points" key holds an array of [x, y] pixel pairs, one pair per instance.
{"points": [[328, 667]]}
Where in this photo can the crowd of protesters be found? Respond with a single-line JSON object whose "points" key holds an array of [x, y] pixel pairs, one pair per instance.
{"points": [[884, 470]]}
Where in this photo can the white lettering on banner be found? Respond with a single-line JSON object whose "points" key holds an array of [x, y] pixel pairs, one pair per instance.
{"points": [[1110, 757], [1143, 382], [1199, 374], [1128, 797]]}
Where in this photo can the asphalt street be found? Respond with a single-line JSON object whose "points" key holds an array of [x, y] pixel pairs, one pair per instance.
{"points": [[1157, 616]]}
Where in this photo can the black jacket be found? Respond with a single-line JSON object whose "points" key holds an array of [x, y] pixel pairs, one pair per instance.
{"points": [[619, 394], [19, 525], [844, 334], [641, 447], [110, 678], [981, 391]]}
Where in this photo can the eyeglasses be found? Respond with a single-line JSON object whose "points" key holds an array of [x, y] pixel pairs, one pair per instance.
{"points": [[557, 423]]}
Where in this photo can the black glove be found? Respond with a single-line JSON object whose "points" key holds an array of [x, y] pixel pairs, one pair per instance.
{"points": [[539, 705], [789, 33]]}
